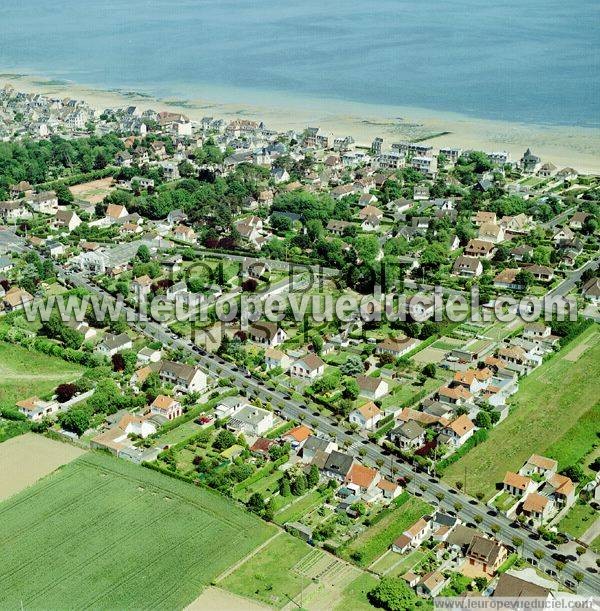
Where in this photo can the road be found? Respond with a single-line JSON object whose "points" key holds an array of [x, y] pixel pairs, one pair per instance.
{"points": [[420, 484], [572, 279]]}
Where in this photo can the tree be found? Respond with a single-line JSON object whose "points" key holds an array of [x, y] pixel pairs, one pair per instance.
{"points": [[351, 389], [75, 420], [525, 279], [312, 478], [495, 528], [64, 194], [224, 439], [578, 576], [284, 485], [394, 594], [65, 392], [353, 366], [429, 370], [480, 583], [143, 254], [483, 420], [539, 553], [256, 503]]}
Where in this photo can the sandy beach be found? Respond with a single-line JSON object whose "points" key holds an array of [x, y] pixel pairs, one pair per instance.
{"points": [[562, 145]]}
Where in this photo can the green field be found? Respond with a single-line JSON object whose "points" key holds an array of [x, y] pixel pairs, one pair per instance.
{"points": [[374, 541], [269, 576], [546, 416], [297, 509], [24, 373], [103, 533], [579, 518], [547, 409], [354, 596]]}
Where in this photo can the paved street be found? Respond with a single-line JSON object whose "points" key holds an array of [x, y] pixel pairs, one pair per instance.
{"points": [[421, 484]]}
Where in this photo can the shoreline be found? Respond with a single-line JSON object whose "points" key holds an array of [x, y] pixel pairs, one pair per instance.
{"points": [[564, 146]]}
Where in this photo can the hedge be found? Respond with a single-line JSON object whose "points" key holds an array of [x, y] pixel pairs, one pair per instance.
{"points": [[480, 436]]}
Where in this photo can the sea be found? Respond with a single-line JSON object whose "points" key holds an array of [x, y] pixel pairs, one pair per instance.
{"points": [[535, 61]]}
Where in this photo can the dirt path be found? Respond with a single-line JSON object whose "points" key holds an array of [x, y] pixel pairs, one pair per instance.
{"points": [[231, 569], [215, 599]]}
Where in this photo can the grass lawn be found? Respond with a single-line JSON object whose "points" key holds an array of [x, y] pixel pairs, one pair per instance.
{"points": [[374, 541], [24, 373], [104, 533], [268, 576], [547, 408], [407, 563], [354, 595], [295, 511], [579, 518], [596, 545], [504, 502], [180, 433]]}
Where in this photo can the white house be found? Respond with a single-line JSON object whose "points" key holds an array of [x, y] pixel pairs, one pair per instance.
{"points": [[366, 416], [372, 388], [165, 406], [276, 358], [518, 485], [112, 344], [458, 431], [35, 409], [310, 366], [251, 420]]}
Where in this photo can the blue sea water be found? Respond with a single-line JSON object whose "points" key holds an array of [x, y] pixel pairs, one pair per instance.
{"points": [[511, 60]]}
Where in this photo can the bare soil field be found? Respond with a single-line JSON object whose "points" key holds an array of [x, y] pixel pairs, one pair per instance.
{"points": [[26, 459], [429, 355], [94, 191], [215, 599]]}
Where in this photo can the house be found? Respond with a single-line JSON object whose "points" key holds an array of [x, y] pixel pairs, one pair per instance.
{"points": [[35, 409], [5, 265], [529, 163], [185, 378], [314, 446], [484, 218], [13, 212], [338, 465], [67, 219], [228, 406], [591, 290], [338, 227], [467, 266], [396, 347], [454, 395], [537, 331], [486, 554], [431, 584], [510, 586], [123, 159], [300, 530], [114, 212], [560, 489], [542, 273], [474, 380], [141, 287], [267, 334], [276, 358], [578, 220], [167, 407], [149, 355], [540, 465], [458, 431], [16, 299], [117, 440], [517, 485], [562, 235], [517, 224], [251, 420], [491, 232], [310, 366], [370, 223], [420, 192], [537, 507], [185, 234], [546, 170], [83, 328], [298, 435], [366, 416], [361, 479], [262, 446], [408, 436], [522, 253], [413, 536], [370, 212], [480, 248], [372, 388], [507, 279], [54, 248], [390, 490], [44, 203], [113, 344]]}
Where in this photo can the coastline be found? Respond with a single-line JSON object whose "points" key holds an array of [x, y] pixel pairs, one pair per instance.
{"points": [[563, 145]]}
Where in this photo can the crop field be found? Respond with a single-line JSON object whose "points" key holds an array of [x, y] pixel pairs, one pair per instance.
{"points": [[103, 533], [26, 459], [94, 191], [546, 417], [24, 373]]}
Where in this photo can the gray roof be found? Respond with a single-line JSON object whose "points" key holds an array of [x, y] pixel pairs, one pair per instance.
{"points": [[409, 430], [312, 444], [339, 463], [251, 415]]}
